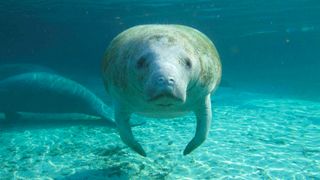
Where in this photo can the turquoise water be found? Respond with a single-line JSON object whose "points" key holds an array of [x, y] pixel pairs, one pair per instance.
{"points": [[266, 113]]}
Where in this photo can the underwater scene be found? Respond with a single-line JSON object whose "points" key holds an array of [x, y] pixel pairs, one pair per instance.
{"points": [[159, 89]]}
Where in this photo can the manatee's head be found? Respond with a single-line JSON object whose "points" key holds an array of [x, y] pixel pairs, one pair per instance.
{"points": [[160, 66], [163, 70]]}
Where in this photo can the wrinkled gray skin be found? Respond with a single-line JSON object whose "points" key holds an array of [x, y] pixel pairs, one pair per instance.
{"points": [[161, 71], [43, 92]]}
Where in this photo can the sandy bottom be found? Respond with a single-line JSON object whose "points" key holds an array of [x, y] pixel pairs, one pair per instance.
{"points": [[253, 136]]}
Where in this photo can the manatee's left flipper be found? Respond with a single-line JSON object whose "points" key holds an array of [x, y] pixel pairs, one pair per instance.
{"points": [[204, 116], [122, 119]]}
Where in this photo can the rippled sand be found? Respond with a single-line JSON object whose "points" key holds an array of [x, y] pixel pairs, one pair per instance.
{"points": [[253, 136]]}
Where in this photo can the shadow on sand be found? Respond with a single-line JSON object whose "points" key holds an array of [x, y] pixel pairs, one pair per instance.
{"points": [[113, 173]]}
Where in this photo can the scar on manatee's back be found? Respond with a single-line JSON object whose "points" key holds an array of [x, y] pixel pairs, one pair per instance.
{"points": [[159, 37]]}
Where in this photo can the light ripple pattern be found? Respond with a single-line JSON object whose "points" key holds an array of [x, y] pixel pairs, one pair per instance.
{"points": [[253, 136]]}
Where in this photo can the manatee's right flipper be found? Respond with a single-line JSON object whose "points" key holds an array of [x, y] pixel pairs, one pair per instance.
{"points": [[122, 119], [11, 116]]}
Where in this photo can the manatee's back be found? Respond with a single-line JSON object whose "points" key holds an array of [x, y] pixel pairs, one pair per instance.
{"points": [[8, 70], [211, 69], [43, 92]]}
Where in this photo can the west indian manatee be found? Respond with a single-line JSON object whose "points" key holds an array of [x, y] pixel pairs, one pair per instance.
{"points": [[161, 71], [7, 70], [43, 92]]}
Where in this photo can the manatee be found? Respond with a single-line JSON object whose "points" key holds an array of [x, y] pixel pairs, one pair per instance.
{"points": [[161, 71], [43, 92], [7, 70]]}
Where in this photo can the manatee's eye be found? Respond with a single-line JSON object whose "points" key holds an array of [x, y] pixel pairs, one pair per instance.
{"points": [[188, 62], [142, 63]]}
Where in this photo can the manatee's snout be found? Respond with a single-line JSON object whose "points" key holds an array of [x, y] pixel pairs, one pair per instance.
{"points": [[164, 90], [166, 81]]}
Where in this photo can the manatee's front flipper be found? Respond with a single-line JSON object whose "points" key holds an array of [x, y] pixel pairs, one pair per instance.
{"points": [[204, 115], [122, 119]]}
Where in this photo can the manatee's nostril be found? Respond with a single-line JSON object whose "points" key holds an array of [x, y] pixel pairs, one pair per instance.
{"points": [[166, 81], [171, 81], [161, 80]]}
